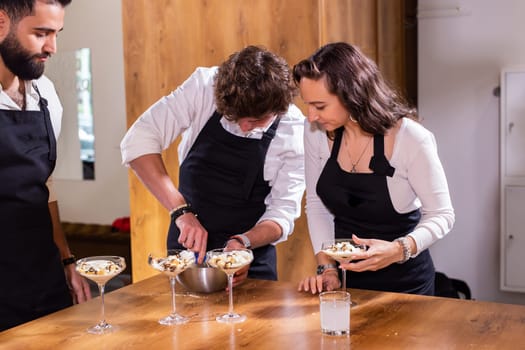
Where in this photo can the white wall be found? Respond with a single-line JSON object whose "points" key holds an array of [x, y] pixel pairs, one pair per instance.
{"points": [[97, 24], [460, 59]]}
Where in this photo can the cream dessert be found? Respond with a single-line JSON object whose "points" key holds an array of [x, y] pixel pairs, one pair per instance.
{"points": [[231, 261], [343, 250], [99, 271], [174, 264]]}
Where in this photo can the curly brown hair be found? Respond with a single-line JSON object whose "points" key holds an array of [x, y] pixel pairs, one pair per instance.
{"points": [[253, 82], [358, 84]]}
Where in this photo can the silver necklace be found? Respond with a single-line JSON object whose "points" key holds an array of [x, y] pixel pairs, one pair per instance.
{"points": [[354, 170]]}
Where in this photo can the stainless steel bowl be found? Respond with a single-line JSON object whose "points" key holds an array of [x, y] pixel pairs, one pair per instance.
{"points": [[203, 279]]}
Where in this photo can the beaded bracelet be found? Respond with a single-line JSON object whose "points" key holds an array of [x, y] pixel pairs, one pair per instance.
{"points": [[403, 242]]}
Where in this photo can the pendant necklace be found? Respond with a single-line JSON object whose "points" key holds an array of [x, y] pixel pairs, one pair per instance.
{"points": [[354, 170]]}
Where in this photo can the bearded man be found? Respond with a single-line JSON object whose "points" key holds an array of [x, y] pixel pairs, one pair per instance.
{"points": [[36, 265]]}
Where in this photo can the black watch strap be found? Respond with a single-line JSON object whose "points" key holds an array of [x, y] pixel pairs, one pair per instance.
{"points": [[187, 208], [68, 261]]}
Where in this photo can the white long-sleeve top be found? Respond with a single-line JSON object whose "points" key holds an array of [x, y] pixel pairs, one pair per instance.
{"points": [[419, 182], [186, 111], [47, 90]]}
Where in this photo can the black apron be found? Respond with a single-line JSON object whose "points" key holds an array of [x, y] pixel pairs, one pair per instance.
{"points": [[222, 178], [33, 279], [361, 205]]}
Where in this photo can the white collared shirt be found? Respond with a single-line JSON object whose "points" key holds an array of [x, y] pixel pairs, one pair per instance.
{"points": [[185, 112], [47, 90]]}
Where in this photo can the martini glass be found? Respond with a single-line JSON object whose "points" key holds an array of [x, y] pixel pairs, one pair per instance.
{"points": [[230, 261], [342, 250], [100, 269], [172, 262]]}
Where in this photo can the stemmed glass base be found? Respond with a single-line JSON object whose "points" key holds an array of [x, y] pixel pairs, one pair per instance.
{"points": [[342, 250], [230, 261], [231, 318], [172, 262], [344, 288], [101, 269], [102, 328], [174, 317]]}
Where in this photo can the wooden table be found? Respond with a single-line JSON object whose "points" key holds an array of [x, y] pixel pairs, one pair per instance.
{"points": [[279, 317]]}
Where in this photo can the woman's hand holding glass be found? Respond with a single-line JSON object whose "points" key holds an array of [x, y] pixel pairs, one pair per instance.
{"points": [[379, 254]]}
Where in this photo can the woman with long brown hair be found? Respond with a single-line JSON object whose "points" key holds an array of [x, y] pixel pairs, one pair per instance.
{"points": [[372, 174]]}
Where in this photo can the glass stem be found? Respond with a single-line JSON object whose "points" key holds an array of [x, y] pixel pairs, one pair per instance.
{"points": [[172, 284], [230, 289], [343, 287], [103, 313]]}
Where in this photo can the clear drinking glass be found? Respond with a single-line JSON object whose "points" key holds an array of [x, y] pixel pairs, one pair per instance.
{"points": [[335, 312], [342, 250], [172, 262], [230, 261], [100, 269]]}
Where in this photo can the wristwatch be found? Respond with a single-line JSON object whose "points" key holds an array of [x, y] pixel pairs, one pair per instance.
{"points": [[243, 239], [323, 268]]}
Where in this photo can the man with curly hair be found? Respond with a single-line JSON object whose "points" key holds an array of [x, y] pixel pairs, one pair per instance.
{"points": [[241, 177]]}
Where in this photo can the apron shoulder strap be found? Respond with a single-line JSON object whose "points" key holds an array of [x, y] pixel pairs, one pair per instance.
{"points": [[49, 127], [378, 163], [272, 130], [338, 136], [267, 138], [41, 101]]}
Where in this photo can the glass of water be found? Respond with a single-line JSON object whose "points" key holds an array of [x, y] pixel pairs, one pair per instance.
{"points": [[335, 312]]}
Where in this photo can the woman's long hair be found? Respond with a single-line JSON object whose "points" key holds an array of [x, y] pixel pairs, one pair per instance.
{"points": [[358, 84]]}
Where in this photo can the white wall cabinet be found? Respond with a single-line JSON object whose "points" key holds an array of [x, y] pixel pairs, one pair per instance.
{"points": [[512, 132]]}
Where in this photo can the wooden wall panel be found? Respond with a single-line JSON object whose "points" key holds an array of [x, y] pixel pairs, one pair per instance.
{"points": [[353, 21], [376, 27], [165, 40], [391, 42]]}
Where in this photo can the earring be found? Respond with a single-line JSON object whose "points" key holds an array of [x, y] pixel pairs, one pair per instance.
{"points": [[352, 119]]}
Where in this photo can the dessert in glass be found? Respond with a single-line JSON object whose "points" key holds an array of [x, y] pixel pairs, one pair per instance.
{"points": [[172, 262], [100, 269], [342, 250], [230, 261]]}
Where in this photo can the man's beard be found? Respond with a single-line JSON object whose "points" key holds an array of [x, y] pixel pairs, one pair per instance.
{"points": [[20, 61]]}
